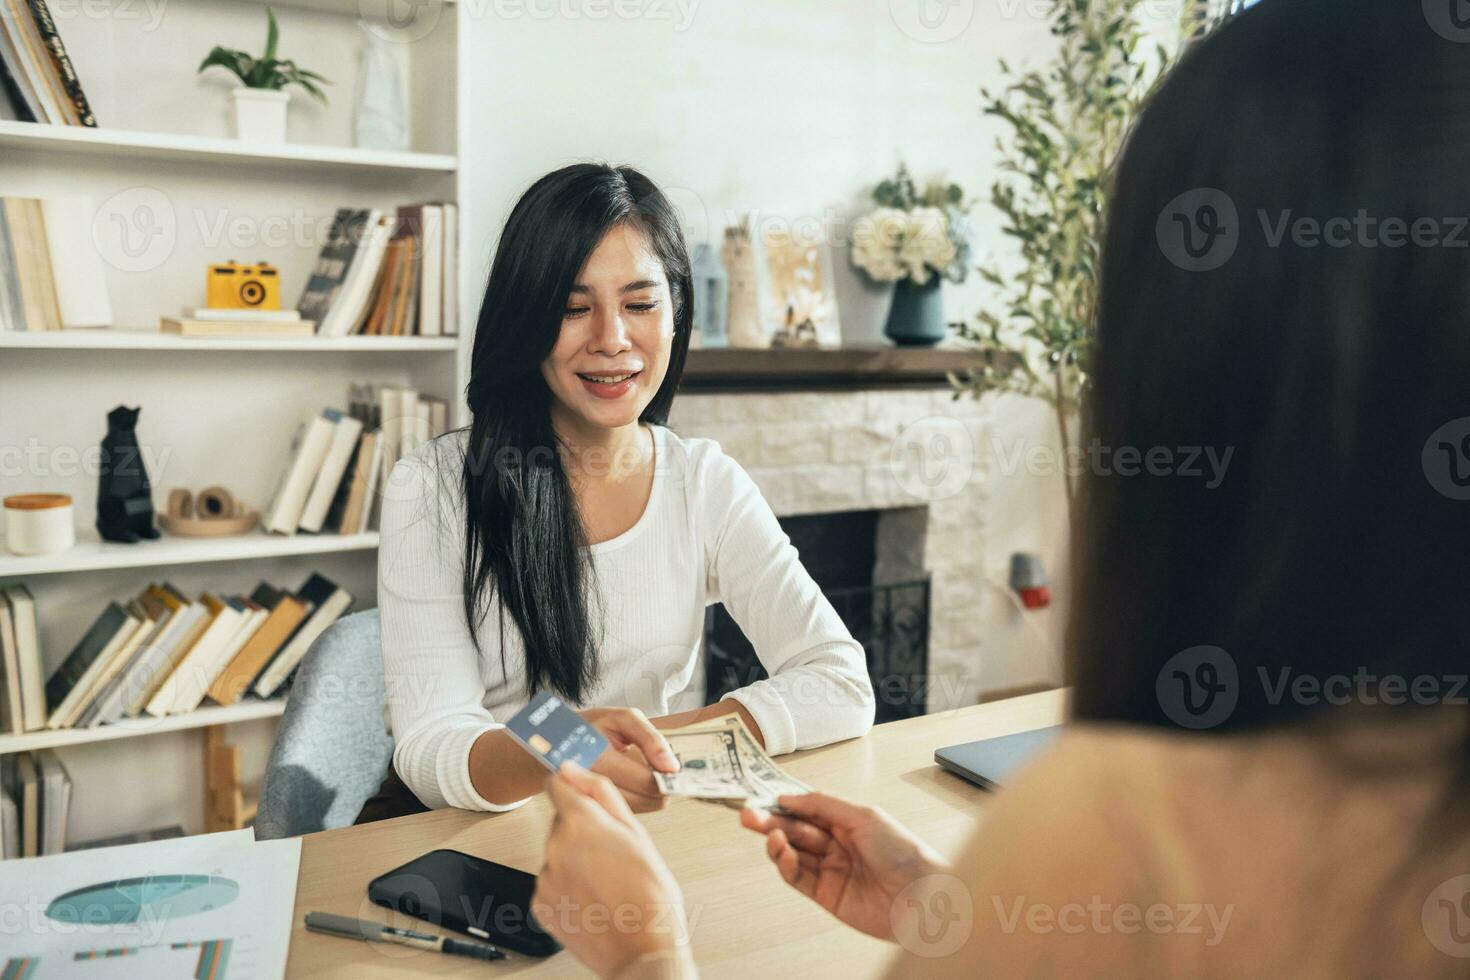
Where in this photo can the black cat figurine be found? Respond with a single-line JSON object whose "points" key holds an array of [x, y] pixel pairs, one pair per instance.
{"points": [[124, 495]]}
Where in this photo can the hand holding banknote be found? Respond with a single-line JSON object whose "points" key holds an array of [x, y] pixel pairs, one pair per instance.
{"points": [[721, 762], [717, 760]]}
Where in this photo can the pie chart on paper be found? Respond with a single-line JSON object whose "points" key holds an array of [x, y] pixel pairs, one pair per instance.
{"points": [[153, 898]]}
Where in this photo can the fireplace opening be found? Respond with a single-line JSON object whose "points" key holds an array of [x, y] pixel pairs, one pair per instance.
{"points": [[869, 564]]}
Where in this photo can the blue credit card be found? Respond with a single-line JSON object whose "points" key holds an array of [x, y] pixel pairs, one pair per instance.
{"points": [[554, 733]]}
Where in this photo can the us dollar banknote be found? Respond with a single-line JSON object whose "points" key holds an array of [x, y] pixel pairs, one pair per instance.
{"points": [[720, 761]]}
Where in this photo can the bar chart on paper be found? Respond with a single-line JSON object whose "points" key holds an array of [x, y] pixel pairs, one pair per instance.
{"points": [[205, 960]]}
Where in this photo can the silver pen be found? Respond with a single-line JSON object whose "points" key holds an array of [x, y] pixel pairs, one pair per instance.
{"points": [[376, 932]]}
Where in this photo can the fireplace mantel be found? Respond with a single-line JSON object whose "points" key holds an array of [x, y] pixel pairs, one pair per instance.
{"points": [[809, 369]]}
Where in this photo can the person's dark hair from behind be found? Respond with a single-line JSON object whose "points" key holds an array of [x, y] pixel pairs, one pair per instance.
{"points": [[1327, 550]]}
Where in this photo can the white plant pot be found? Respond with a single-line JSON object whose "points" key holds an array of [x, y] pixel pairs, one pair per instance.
{"points": [[260, 115]]}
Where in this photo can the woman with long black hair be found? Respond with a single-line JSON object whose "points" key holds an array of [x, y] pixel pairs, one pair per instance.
{"points": [[568, 541]]}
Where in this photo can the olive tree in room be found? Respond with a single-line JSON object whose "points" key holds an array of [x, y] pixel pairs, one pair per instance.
{"points": [[1064, 125]]}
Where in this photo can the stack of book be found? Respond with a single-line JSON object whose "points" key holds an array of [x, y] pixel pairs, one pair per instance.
{"points": [[205, 321], [51, 274], [162, 653], [387, 275], [37, 80], [22, 668], [338, 459], [35, 799]]}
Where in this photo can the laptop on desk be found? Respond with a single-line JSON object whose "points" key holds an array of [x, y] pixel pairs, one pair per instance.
{"points": [[990, 762]]}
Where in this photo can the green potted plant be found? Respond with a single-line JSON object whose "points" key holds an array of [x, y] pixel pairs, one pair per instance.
{"points": [[260, 102], [1065, 127], [915, 240]]}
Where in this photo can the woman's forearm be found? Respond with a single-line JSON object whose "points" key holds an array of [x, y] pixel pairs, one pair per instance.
{"points": [[715, 710], [503, 772]]}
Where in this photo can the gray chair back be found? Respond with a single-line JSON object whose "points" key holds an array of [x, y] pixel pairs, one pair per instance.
{"points": [[333, 748]]}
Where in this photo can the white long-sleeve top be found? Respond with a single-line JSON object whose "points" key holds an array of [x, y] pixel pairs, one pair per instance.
{"points": [[706, 535]]}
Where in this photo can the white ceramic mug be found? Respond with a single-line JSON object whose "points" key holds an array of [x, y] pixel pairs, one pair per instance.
{"points": [[39, 523]]}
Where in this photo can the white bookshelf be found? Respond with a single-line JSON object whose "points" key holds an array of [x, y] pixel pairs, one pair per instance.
{"points": [[217, 410], [113, 143], [366, 8], [92, 554], [138, 727], [153, 340]]}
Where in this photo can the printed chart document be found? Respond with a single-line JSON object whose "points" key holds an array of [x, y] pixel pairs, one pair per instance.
{"points": [[215, 906]]}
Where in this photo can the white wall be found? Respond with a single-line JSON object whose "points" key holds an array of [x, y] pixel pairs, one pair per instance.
{"points": [[790, 109], [784, 108]]}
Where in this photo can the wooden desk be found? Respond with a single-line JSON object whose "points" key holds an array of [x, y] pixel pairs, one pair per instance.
{"points": [[747, 921]]}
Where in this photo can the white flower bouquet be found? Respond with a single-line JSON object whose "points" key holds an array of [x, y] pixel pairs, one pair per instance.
{"points": [[913, 236]]}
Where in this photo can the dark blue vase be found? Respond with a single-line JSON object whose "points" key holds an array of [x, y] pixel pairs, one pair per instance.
{"points": [[916, 318]]}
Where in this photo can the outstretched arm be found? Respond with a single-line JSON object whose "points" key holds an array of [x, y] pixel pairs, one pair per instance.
{"points": [[818, 689]]}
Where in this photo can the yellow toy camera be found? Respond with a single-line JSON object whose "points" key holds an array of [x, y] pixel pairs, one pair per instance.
{"points": [[229, 286]]}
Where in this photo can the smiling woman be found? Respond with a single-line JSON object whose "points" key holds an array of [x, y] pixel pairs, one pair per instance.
{"points": [[566, 540], [616, 336]]}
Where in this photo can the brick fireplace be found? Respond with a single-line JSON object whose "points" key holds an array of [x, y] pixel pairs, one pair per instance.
{"points": [[907, 454]]}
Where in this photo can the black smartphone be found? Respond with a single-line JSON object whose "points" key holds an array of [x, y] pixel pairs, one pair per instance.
{"points": [[468, 894]]}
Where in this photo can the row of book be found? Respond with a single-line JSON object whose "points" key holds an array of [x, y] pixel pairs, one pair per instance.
{"points": [[35, 800], [162, 653], [38, 82], [338, 459], [378, 274], [51, 274], [385, 274]]}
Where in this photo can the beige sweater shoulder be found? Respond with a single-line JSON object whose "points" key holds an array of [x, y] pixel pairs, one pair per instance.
{"points": [[1126, 852]]}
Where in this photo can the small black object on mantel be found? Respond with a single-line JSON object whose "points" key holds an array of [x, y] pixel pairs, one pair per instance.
{"points": [[124, 495]]}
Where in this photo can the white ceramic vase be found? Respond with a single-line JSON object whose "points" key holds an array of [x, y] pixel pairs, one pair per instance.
{"points": [[260, 115]]}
